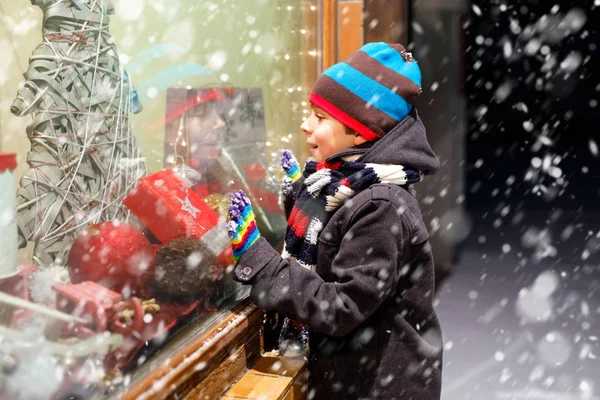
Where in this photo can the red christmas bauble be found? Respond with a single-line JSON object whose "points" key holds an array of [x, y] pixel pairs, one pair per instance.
{"points": [[114, 255]]}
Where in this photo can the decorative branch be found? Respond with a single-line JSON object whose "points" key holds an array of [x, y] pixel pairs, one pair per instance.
{"points": [[84, 158]]}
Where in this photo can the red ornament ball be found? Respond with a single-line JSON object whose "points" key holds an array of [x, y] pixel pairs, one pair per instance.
{"points": [[113, 254]]}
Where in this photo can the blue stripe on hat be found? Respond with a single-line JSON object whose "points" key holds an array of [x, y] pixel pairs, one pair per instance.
{"points": [[369, 90], [390, 57]]}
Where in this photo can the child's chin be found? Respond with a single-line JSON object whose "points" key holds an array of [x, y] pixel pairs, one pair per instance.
{"points": [[315, 155]]}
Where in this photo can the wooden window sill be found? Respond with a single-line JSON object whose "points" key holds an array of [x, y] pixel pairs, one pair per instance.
{"points": [[204, 366], [273, 378]]}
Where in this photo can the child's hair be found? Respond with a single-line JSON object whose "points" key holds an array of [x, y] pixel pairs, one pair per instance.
{"points": [[349, 131]]}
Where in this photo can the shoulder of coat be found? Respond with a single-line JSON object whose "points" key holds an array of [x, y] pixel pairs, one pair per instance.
{"points": [[379, 193], [389, 192]]}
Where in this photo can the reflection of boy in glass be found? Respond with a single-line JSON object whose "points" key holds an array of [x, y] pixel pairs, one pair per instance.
{"points": [[201, 131], [206, 131]]}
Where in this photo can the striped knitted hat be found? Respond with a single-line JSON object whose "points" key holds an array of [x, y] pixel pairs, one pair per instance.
{"points": [[372, 91]]}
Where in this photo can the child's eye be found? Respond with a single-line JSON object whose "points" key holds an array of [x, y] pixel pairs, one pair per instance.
{"points": [[319, 117]]}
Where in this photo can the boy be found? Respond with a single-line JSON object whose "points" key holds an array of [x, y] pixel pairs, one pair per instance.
{"points": [[357, 267]]}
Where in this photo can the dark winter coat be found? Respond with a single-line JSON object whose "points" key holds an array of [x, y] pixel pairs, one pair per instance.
{"points": [[373, 331]]}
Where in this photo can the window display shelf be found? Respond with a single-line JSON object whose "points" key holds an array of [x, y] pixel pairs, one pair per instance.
{"points": [[200, 362]]}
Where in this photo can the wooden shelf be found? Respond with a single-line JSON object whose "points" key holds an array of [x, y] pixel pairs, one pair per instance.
{"points": [[276, 378], [206, 365]]}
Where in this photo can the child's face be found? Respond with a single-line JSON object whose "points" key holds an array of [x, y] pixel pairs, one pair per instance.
{"points": [[326, 135]]}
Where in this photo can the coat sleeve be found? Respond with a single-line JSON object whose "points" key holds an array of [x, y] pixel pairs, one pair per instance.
{"points": [[365, 269]]}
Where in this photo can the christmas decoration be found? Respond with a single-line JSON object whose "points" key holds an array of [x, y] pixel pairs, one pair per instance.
{"points": [[33, 350], [42, 280], [14, 279], [115, 255], [102, 310], [52, 322], [8, 227], [171, 210], [185, 268], [218, 203], [89, 301], [18, 285], [158, 322], [83, 159]]}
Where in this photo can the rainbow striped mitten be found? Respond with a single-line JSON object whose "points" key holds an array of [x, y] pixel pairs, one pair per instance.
{"points": [[242, 225], [290, 165]]}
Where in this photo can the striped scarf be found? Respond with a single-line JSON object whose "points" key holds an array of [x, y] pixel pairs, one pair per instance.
{"points": [[326, 187]]}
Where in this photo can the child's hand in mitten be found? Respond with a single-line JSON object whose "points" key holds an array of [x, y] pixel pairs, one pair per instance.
{"points": [[290, 165], [242, 226]]}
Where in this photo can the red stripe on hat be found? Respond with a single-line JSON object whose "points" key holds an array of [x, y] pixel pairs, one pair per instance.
{"points": [[344, 118]]}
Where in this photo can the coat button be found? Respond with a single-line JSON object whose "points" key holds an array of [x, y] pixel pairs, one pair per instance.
{"points": [[246, 271]]}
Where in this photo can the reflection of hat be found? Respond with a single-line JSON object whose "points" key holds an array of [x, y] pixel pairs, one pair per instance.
{"points": [[197, 98], [372, 91]]}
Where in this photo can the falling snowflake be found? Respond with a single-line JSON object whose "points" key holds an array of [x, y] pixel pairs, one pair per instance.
{"points": [[593, 148]]}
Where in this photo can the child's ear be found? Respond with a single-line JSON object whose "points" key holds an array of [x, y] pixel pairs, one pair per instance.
{"points": [[359, 139]]}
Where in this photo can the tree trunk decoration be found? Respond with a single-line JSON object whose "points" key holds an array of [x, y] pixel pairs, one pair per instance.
{"points": [[83, 159]]}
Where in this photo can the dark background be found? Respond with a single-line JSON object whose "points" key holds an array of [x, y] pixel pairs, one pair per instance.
{"points": [[557, 102], [517, 234]]}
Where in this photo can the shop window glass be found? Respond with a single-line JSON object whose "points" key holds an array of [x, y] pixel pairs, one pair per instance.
{"points": [[136, 120]]}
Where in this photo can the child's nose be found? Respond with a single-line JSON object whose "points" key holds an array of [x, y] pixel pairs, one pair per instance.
{"points": [[219, 123], [305, 127]]}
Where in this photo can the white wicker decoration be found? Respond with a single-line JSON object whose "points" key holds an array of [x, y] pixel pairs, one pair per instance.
{"points": [[83, 159]]}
